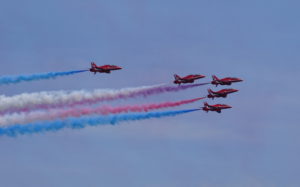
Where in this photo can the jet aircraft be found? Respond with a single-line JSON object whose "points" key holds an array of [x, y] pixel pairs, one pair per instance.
{"points": [[187, 79], [221, 93], [103, 69], [225, 81], [216, 108]]}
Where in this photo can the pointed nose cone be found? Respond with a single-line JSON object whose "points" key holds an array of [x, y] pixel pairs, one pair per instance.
{"points": [[239, 80], [233, 90], [118, 67], [228, 106], [198, 76]]}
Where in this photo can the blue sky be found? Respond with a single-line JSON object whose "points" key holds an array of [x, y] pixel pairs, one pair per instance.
{"points": [[256, 143]]}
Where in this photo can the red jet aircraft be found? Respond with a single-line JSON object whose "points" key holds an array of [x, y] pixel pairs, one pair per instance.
{"points": [[187, 79], [221, 93], [103, 69], [224, 81], [216, 108]]}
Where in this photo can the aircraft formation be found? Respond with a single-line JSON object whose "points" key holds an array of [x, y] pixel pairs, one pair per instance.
{"points": [[189, 79], [28, 113]]}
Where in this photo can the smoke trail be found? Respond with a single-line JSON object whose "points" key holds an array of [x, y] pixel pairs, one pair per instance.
{"points": [[33, 77], [60, 99], [28, 117], [77, 123]]}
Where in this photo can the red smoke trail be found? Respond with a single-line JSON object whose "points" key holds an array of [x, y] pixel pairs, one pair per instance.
{"points": [[61, 99], [130, 108], [27, 117]]}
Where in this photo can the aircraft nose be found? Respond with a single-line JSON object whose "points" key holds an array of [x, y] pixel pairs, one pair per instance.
{"points": [[118, 67], [234, 90]]}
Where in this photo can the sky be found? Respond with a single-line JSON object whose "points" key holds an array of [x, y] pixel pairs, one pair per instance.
{"points": [[256, 143]]}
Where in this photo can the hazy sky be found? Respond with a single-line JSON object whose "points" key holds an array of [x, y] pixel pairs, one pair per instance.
{"points": [[256, 143]]}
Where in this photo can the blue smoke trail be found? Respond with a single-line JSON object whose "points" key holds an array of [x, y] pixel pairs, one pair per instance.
{"points": [[77, 123], [33, 77]]}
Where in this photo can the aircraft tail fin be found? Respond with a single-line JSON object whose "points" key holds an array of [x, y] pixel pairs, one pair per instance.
{"points": [[205, 104], [210, 94], [177, 77], [93, 65], [215, 78]]}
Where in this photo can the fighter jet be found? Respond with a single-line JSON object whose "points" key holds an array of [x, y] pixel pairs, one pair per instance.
{"points": [[187, 79], [221, 93], [216, 108], [103, 69], [225, 81]]}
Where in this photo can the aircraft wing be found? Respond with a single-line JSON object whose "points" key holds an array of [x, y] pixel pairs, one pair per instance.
{"points": [[212, 107], [190, 77], [103, 67]]}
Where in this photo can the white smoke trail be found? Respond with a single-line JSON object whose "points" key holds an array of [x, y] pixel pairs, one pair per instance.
{"points": [[44, 100], [61, 99]]}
